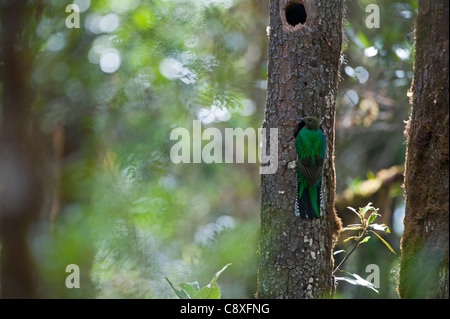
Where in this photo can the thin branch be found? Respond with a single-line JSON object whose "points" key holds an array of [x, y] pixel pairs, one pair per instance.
{"points": [[348, 255]]}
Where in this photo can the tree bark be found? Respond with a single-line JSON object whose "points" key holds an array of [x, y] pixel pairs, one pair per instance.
{"points": [[304, 59], [424, 266], [21, 169]]}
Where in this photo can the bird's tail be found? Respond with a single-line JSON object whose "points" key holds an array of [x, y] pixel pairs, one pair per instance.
{"points": [[303, 206]]}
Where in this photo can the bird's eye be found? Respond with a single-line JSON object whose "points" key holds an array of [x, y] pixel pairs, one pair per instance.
{"points": [[309, 120]]}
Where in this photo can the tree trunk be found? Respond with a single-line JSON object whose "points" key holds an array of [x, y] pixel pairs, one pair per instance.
{"points": [[424, 265], [304, 58], [21, 169]]}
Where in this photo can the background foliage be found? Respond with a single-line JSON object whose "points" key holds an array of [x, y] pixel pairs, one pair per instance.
{"points": [[135, 70]]}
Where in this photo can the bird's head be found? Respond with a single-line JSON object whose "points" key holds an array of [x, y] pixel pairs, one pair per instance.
{"points": [[311, 122]]}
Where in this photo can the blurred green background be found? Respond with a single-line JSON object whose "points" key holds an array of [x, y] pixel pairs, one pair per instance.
{"points": [[135, 70]]}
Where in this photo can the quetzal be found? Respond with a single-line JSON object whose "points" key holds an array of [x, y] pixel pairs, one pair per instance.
{"points": [[310, 145]]}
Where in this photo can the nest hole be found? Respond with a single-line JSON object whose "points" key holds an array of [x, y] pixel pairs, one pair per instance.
{"points": [[295, 14]]}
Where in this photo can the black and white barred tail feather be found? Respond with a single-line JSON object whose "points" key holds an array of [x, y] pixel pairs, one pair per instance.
{"points": [[303, 206]]}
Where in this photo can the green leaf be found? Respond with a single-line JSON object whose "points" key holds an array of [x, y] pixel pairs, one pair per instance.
{"points": [[384, 242], [351, 237], [352, 227], [216, 276], [180, 293], [195, 285], [208, 292], [372, 217], [364, 240], [190, 288], [368, 207]]}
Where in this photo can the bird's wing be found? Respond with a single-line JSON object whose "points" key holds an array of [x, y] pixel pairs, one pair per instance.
{"points": [[310, 146], [311, 172]]}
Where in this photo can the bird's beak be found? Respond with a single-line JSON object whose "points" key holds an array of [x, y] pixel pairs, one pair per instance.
{"points": [[302, 119]]}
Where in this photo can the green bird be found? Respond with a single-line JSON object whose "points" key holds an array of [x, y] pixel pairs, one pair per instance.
{"points": [[310, 145]]}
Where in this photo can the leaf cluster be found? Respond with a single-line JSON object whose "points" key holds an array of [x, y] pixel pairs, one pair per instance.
{"points": [[192, 290], [364, 228], [367, 226]]}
